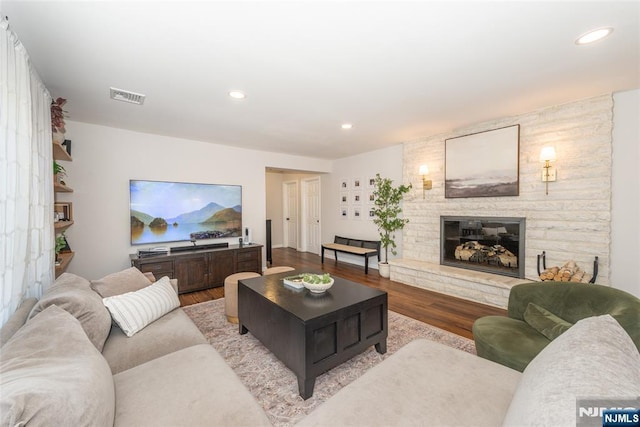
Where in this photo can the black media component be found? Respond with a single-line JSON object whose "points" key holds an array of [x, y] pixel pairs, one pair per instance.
{"points": [[199, 248]]}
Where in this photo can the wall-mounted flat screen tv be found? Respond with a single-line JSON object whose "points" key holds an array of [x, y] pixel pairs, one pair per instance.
{"points": [[179, 211]]}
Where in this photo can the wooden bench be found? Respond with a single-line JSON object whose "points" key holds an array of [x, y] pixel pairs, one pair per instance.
{"points": [[364, 248]]}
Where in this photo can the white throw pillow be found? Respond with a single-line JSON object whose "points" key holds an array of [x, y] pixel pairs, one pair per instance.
{"points": [[135, 310], [594, 359]]}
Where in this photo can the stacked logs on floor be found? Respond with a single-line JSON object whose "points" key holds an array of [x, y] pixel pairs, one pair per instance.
{"points": [[569, 272]]}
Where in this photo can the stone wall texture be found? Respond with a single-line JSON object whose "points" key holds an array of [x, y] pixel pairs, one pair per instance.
{"points": [[572, 222]]}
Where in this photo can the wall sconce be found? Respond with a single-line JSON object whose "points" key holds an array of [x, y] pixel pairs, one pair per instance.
{"points": [[426, 183], [547, 155]]}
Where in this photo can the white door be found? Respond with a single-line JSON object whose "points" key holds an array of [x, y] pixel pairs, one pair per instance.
{"points": [[290, 211], [311, 215]]}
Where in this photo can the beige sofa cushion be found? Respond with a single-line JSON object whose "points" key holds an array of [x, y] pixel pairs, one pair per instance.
{"points": [[191, 387], [595, 358], [52, 375], [171, 332], [73, 294], [17, 319], [133, 311], [423, 383], [128, 280]]}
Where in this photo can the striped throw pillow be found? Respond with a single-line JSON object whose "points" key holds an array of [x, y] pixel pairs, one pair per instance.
{"points": [[135, 310]]}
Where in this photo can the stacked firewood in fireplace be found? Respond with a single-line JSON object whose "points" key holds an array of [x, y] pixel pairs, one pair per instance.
{"points": [[569, 272]]}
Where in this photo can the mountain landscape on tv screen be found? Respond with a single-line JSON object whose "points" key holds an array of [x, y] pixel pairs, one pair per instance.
{"points": [[210, 222]]}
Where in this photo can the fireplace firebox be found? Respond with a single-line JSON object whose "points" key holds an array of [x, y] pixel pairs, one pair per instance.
{"points": [[490, 244]]}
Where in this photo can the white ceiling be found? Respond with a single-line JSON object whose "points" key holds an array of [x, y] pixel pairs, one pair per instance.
{"points": [[396, 70]]}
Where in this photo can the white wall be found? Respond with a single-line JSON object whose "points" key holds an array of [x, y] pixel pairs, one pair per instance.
{"points": [[388, 163], [625, 212], [274, 207], [572, 222], [105, 159], [607, 227]]}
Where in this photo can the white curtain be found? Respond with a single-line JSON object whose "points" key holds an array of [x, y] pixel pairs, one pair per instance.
{"points": [[26, 178]]}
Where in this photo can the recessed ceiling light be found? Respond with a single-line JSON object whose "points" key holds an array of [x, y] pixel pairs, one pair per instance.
{"points": [[346, 126], [237, 94], [594, 35]]}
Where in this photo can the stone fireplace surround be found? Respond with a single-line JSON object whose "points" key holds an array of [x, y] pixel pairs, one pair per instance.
{"points": [[572, 222]]}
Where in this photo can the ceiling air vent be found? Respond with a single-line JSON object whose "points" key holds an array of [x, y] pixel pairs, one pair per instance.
{"points": [[127, 96]]}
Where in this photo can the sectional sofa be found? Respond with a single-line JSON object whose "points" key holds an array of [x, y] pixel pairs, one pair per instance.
{"points": [[63, 362], [69, 366], [429, 384]]}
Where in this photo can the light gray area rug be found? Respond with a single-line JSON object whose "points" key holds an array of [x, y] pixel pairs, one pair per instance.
{"points": [[275, 386]]}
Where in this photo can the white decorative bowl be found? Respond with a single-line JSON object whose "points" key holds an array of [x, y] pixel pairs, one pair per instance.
{"points": [[318, 288]]}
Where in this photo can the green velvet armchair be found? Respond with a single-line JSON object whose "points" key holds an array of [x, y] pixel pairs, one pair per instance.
{"points": [[540, 311]]}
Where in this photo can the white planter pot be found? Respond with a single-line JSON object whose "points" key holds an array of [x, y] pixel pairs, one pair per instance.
{"points": [[384, 269], [58, 137]]}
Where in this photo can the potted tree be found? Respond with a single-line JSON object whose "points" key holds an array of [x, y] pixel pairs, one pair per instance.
{"points": [[386, 211]]}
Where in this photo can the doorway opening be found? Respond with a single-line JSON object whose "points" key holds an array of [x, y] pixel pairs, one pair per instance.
{"points": [[293, 204]]}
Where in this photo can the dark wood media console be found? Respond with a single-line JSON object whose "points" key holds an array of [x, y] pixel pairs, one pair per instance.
{"points": [[199, 269]]}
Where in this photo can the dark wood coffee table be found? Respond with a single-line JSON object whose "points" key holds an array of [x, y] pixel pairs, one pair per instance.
{"points": [[312, 333]]}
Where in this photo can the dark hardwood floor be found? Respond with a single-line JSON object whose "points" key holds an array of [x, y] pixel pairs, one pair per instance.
{"points": [[446, 312]]}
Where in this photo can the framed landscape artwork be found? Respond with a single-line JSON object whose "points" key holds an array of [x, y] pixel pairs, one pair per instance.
{"points": [[484, 164]]}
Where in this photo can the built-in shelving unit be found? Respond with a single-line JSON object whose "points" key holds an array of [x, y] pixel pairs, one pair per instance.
{"points": [[61, 154], [61, 188], [66, 259], [60, 226]]}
